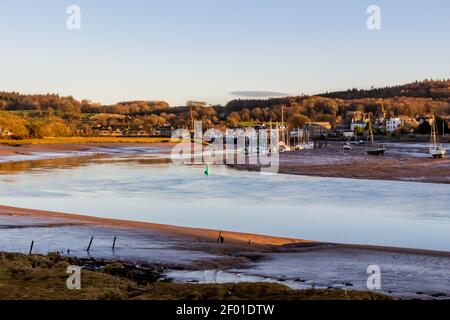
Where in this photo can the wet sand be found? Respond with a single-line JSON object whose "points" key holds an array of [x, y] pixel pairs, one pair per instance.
{"points": [[29, 149]]}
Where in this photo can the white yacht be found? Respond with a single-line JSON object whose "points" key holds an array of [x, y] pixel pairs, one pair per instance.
{"points": [[436, 150]]}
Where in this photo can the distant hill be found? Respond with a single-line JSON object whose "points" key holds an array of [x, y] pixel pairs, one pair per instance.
{"points": [[434, 89]]}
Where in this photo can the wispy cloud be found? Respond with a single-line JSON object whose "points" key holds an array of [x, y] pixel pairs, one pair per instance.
{"points": [[258, 94]]}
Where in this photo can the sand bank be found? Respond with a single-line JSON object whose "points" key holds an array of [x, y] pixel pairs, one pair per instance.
{"points": [[29, 149], [169, 229]]}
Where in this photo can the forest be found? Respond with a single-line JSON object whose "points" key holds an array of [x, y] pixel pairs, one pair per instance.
{"points": [[51, 115]]}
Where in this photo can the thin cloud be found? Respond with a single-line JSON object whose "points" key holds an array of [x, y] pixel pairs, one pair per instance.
{"points": [[258, 94]]}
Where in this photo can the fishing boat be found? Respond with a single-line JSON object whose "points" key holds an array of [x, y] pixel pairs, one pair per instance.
{"points": [[374, 149], [436, 150]]}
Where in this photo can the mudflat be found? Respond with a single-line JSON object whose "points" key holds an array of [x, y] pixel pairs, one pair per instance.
{"points": [[399, 164]]}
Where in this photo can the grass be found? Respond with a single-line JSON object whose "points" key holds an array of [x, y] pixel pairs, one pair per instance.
{"points": [[78, 140], [39, 277]]}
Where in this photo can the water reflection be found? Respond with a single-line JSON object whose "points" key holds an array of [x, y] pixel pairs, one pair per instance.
{"points": [[44, 165], [73, 162]]}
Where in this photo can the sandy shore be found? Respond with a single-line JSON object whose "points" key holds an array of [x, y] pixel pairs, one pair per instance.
{"points": [[175, 230]]}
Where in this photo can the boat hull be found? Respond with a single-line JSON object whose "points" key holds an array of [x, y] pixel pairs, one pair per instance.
{"points": [[376, 152], [438, 153]]}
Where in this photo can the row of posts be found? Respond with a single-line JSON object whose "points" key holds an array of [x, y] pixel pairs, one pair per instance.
{"points": [[220, 239], [88, 248]]}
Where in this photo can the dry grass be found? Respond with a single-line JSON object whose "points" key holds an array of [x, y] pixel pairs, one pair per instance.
{"points": [[44, 278], [248, 291]]}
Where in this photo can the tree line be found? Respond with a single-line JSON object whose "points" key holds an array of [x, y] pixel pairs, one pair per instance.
{"points": [[53, 115]]}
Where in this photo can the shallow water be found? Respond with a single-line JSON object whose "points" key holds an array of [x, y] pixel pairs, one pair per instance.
{"points": [[404, 275], [72, 238], [142, 187]]}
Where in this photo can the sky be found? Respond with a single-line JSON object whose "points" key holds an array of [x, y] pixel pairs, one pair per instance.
{"points": [[218, 50]]}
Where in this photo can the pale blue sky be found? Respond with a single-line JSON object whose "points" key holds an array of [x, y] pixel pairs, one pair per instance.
{"points": [[176, 50]]}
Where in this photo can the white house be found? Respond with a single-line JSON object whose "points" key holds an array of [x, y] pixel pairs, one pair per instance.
{"points": [[358, 124], [393, 123]]}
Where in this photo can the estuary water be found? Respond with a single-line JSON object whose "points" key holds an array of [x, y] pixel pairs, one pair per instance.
{"points": [[147, 187]]}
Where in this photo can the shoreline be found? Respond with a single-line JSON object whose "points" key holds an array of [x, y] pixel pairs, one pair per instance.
{"points": [[30, 149], [191, 256], [117, 280], [211, 235]]}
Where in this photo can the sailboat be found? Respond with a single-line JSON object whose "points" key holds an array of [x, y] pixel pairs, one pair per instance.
{"points": [[283, 145], [297, 144], [436, 149], [374, 149]]}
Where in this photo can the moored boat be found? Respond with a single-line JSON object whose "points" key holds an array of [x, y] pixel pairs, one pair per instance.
{"points": [[347, 146], [374, 149], [436, 150]]}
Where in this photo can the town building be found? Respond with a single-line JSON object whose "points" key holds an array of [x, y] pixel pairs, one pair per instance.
{"points": [[393, 124], [358, 124], [165, 130]]}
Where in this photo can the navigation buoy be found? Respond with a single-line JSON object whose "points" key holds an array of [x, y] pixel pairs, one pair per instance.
{"points": [[207, 171]]}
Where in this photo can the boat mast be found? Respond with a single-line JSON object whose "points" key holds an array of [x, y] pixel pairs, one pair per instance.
{"points": [[433, 132], [270, 135], [282, 121], [371, 131]]}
